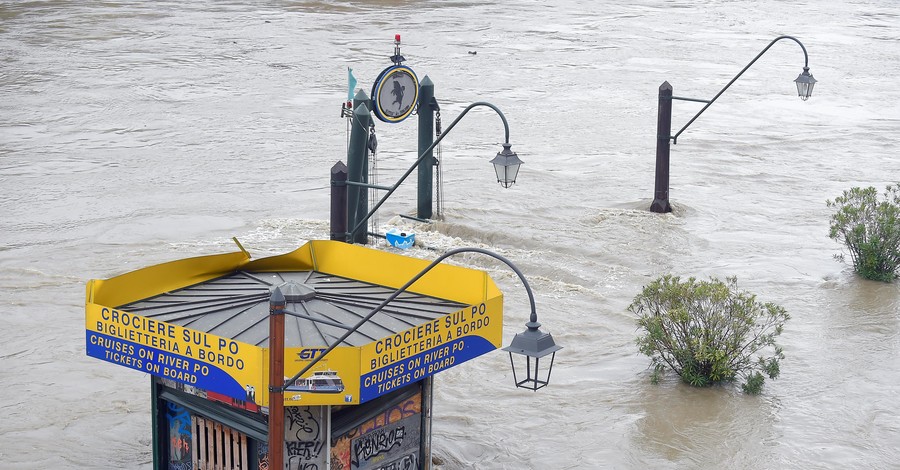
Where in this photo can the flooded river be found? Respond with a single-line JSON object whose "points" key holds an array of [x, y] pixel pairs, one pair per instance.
{"points": [[133, 133]]}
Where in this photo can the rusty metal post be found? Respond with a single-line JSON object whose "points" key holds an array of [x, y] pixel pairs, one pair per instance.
{"points": [[663, 136], [276, 380]]}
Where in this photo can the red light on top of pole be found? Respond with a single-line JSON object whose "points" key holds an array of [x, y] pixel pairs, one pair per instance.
{"points": [[397, 38]]}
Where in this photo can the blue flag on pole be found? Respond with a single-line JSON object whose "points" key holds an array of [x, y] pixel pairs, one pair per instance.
{"points": [[351, 84]]}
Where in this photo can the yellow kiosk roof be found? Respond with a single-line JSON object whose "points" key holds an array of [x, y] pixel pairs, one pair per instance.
{"points": [[203, 321]]}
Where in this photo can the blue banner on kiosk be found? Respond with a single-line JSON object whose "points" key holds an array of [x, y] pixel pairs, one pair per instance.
{"points": [[422, 365], [163, 364]]}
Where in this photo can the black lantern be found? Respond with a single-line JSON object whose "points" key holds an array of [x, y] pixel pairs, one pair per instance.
{"points": [[532, 344], [805, 83], [506, 164]]}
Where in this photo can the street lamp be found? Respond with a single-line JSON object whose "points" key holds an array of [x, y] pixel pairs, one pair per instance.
{"points": [[805, 83], [506, 166], [532, 344]]}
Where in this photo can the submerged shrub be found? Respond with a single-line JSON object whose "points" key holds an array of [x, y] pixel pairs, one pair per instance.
{"points": [[709, 332], [870, 229]]}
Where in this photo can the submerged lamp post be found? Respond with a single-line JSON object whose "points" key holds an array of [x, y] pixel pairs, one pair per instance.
{"points": [[276, 374], [506, 166], [805, 83], [532, 344]]}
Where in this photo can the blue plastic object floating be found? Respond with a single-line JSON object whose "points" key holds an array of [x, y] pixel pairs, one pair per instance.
{"points": [[398, 239]]}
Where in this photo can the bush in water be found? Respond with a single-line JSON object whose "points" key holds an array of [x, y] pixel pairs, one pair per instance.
{"points": [[870, 229], [708, 332]]}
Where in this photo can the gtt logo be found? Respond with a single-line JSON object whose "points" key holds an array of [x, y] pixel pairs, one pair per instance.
{"points": [[309, 353]]}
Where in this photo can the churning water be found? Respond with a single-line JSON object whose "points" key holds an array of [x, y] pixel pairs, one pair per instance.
{"points": [[133, 133]]}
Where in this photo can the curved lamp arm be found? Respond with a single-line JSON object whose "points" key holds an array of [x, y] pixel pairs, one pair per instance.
{"points": [[422, 157], [710, 102], [533, 323]]}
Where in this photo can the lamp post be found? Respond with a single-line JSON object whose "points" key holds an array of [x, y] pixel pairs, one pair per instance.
{"points": [[532, 345], [276, 375], [805, 83], [506, 165]]}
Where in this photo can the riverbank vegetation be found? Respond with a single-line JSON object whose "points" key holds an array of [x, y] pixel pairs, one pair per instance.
{"points": [[870, 230], [709, 332]]}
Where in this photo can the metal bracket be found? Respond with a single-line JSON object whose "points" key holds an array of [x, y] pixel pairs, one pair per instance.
{"points": [[417, 219], [689, 99]]}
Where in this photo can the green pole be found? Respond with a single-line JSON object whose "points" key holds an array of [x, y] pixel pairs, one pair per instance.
{"points": [[362, 98], [357, 163], [363, 207], [426, 138]]}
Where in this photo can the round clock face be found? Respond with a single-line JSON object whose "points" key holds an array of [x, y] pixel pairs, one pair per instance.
{"points": [[396, 92]]}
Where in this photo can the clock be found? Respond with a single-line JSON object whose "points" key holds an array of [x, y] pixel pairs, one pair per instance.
{"points": [[395, 93]]}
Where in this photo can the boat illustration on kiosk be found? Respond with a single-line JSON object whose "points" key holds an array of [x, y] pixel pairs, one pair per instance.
{"points": [[323, 381]]}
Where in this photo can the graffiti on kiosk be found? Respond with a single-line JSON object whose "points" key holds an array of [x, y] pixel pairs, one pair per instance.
{"points": [[377, 442], [179, 421], [304, 437], [386, 445], [406, 413], [407, 462]]}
